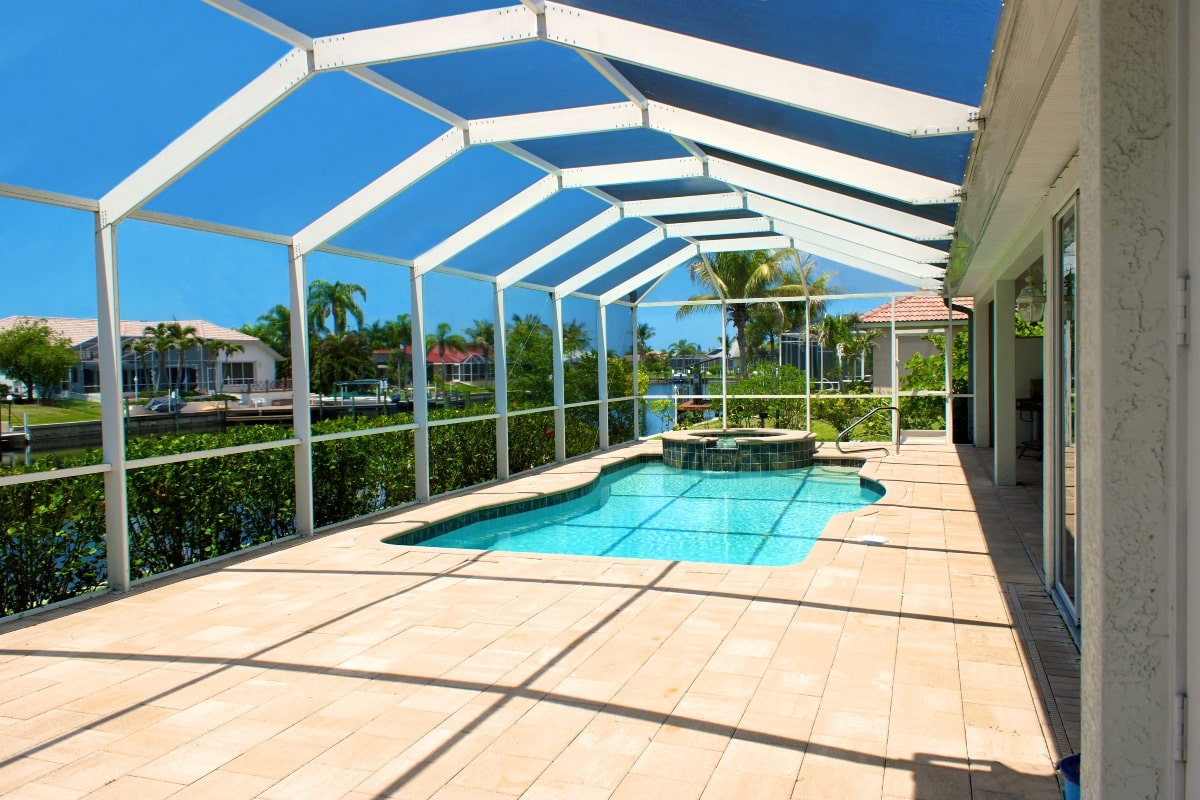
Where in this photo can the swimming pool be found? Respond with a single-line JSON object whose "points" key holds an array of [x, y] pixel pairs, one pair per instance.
{"points": [[651, 510]]}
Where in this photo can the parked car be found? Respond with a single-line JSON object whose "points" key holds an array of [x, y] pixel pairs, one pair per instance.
{"points": [[165, 405]]}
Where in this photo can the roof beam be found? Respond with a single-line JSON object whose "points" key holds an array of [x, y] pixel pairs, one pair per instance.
{"points": [[560, 122], [609, 262], [689, 204], [865, 265], [489, 223], [776, 79], [381, 190], [633, 172], [821, 162], [197, 142], [650, 273], [717, 227], [818, 243], [560, 246], [449, 34], [866, 213], [741, 243], [878, 240]]}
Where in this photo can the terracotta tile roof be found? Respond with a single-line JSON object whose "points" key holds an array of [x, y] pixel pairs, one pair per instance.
{"points": [[79, 330], [917, 309]]}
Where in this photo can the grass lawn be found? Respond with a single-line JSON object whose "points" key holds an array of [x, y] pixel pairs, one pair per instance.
{"points": [[61, 411]]}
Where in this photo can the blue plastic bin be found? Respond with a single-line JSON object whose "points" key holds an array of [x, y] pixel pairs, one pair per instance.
{"points": [[1069, 767]]}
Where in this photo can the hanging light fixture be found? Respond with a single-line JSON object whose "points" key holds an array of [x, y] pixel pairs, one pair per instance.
{"points": [[1031, 302]]}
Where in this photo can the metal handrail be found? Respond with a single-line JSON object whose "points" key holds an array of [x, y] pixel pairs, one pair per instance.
{"points": [[896, 427]]}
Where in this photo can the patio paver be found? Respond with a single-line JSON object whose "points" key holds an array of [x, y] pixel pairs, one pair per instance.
{"points": [[340, 666]]}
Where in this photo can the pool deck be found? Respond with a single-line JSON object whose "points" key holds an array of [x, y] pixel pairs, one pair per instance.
{"points": [[338, 666]]}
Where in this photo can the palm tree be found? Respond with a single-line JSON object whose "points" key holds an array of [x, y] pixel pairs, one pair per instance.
{"points": [[575, 338], [158, 340], [138, 347], [859, 342], [644, 333], [340, 358], [334, 300], [738, 276], [398, 335], [442, 339], [799, 281], [482, 335], [833, 332], [220, 347]]}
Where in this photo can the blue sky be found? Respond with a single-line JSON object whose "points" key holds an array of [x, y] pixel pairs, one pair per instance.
{"points": [[88, 122]]}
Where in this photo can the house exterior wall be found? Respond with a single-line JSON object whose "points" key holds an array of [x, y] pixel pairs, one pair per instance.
{"points": [[1132, 157]]}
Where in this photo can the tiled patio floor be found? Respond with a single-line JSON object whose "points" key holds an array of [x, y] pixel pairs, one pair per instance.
{"points": [[342, 667]]}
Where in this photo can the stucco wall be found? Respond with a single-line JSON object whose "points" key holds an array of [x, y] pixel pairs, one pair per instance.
{"points": [[1129, 170]]}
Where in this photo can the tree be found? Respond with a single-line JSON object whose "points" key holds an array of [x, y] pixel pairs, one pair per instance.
{"points": [[138, 348], [398, 335], [833, 331], [340, 358], [220, 347], [741, 275], [575, 338], [683, 348], [482, 334], [35, 355], [643, 334], [444, 338], [274, 329], [800, 282], [336, 300]]}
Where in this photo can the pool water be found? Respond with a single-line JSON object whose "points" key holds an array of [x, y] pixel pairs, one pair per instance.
{"points": [[660, 512]]}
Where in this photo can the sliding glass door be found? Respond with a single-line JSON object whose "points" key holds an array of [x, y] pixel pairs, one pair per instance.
{"points": [[1066, 537]]}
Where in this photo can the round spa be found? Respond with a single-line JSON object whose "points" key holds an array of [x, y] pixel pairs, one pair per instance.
{"points": [[746, 449]]}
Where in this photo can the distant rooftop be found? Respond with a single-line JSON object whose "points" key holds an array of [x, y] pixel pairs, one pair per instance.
{"points": [[917, 309], [79, 330]]}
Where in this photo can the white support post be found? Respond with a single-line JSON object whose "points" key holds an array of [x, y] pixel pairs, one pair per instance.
{"points": [[637, 403], [725, 364], [807, 366], [602, 370], [1004, 388], [981, 355], [420, 389], [116, 493], [560, 399], [897, 421], [500, 360], [301, 408], [949, 370]]}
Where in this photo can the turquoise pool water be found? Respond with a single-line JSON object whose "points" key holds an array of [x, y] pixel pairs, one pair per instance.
{"points": [[660, 512]]}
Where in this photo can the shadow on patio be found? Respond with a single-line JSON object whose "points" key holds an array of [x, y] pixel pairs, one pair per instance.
{"points": [[340, 666]]}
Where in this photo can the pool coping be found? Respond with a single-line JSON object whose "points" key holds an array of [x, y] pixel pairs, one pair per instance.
{"points": [[559, 483]]}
